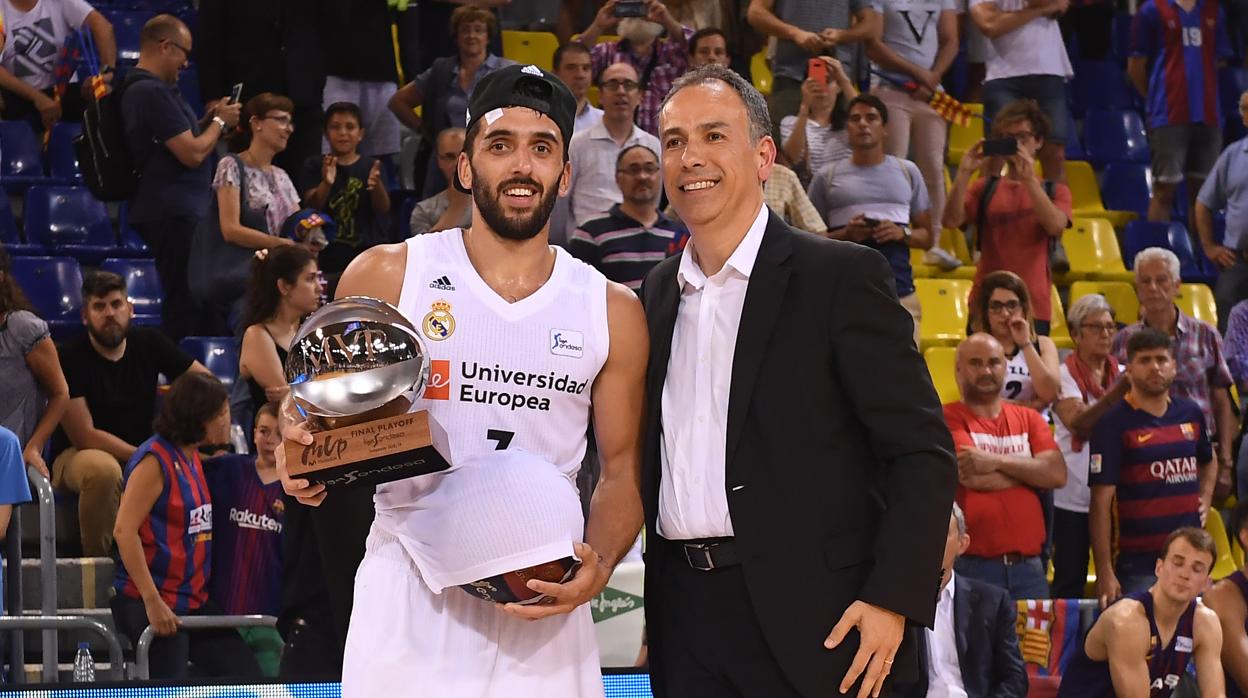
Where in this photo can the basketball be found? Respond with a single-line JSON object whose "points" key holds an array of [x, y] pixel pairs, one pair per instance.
{"points": [[512, 587]]}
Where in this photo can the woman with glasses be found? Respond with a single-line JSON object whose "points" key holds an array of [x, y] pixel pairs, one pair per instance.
{"points": [[1092, 382], [1003, 309], [264, 129]]}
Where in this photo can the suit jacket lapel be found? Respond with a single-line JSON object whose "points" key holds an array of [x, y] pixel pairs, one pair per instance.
{"points": [[963, 601], [661, 318]]}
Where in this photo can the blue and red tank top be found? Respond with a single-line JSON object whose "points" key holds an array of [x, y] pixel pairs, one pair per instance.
{"points": [[177, 534], [1241, 582], [1088, 678]]}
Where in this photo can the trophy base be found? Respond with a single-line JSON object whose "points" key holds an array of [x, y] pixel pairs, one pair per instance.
{"points": [[371, 453]]}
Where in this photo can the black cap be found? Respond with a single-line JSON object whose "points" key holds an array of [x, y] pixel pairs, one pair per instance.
{"points": [[523, 86]]}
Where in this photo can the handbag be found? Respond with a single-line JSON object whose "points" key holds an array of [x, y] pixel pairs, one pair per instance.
{"points": [[219, 270]]}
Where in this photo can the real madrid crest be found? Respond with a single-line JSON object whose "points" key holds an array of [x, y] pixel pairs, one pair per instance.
{"points": [[439, 323]]}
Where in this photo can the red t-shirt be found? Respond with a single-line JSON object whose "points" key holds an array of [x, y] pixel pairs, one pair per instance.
{"points": [[1009, 520], [1013, 240]]}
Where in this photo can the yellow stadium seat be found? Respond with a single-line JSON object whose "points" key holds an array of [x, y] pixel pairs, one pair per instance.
{"points": [[953, 242], [940, 364], [961, 138], [537, 48], [1120, 294], [761, 72], [1086, 195], [1197, 301], [945, 311], [1058, 331], [1224, 563], [1094, 254]]}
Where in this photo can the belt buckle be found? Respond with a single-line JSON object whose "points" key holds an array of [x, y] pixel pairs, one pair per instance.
{"points": [[699, 556]]}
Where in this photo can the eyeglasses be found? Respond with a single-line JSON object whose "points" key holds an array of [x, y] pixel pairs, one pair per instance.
{"points": [[185, 51], [1107, 328], [639, 170], [613, 85], [283, 120], [1004, 306], [1021, 136]]}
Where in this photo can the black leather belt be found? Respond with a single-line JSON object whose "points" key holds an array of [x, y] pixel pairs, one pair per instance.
{"points": [[710, 554]]}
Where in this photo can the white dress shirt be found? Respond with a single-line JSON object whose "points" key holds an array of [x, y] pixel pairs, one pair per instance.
{"points": [[944, 672], [593, 152], [693, 500]]}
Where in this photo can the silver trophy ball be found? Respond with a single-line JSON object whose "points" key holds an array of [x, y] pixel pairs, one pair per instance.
{"points": [[354, 355]]}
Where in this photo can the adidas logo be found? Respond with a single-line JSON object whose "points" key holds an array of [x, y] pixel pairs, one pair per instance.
{"points": [[442, 283]]}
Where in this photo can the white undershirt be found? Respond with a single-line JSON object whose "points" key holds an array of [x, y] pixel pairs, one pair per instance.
{"points": [[944, 673]]}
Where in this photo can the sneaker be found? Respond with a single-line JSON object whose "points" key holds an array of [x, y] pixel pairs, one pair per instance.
{"points": [[941, 258]]}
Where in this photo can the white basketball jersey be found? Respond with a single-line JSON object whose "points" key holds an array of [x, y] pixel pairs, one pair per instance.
{"points": [[504, 375]]}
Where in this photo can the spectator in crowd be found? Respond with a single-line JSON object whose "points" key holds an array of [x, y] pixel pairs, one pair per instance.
{"points": [[1089, 25], [269, 189], [1236, 344], [14, 488], [1227, 190], [1150, 468], [707, 46], [702, 14], [248, 513], [816, 135], [164, 539], [1202, 375], [906, 52], [1016, 217], [575, 67], [1027, 61], [1005, 455], [978, 48], [442, 90], [634, 235], [1003, 309], [360, 68], [784, 194], [37, 31], [972, 649], [656, 60], [449, 208], [1184, 42], [875, 199], [284, 289], [1091, 384], [174, 151], [112, 375], [1229, 600], [593, 153], [1124, 654], [349, 189], [35, 394], [804, 29]]}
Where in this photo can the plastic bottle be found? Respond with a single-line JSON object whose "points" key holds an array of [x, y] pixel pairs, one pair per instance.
{"points": [[84, 665]]}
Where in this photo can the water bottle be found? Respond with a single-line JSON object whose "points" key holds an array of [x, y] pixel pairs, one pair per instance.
{"points": [[238, 439], [84, 665]]}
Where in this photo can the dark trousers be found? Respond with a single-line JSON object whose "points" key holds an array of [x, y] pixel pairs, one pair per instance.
{"points": [[1070, 554], [713, 646], [1231, 288], [18, 108], [341, 528], [312, 649], [216, 653], [170, 243]]}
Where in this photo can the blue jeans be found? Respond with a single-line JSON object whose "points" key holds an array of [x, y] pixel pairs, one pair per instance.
{"points": [[1049, 91], [1024, 580]]}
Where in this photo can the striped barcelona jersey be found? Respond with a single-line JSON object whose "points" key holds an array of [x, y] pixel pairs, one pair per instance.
{"points": [[624, 249], [1154, 463], [1088, 678], [1241, 582], [177, 534], [247, 521], [1184, 49]]}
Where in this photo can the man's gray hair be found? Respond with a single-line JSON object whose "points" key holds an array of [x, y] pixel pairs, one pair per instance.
{"points": [[960, 518], [1086, 307], [755, 104], [1158, 254]]}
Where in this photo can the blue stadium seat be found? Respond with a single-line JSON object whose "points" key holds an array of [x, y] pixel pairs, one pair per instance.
{"points": [[1074, 142], [63, 161], [1120, 39], [1100, 84], [1115, 136], [54, 287], [217, 354], [1126, 186], [10, 238], [126, 27], [142, 286], [1173, 236], [21, 158], [69, 221]]}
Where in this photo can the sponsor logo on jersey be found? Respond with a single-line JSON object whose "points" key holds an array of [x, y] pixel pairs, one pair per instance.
{"points": [[439, 385], [256, 522], [1182, 644], [201, 519], [439, 324], [1174, 470], [1171, 681], [1144, 438], [279, 506], [1189, 430], [567, 343], [442, 283], [512, 395]]}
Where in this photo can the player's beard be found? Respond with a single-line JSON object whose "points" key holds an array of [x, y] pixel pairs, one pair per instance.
{"points": [[487, 199]]}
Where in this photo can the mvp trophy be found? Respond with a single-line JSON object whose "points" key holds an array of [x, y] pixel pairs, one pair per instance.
{"points": [[354, 368]]}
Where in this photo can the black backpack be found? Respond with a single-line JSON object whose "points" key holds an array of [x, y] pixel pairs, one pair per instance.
{"points": [[107, 166]]}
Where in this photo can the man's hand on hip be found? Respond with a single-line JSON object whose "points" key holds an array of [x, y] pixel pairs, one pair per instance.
{"points": [[880, 632]]}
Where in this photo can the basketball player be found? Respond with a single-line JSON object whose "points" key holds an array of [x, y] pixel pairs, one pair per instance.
{"points": [[1229, 599], [527, 343], [1141, 645]]}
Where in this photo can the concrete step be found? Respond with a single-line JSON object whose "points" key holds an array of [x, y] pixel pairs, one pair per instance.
{"points": [[81, 582]]}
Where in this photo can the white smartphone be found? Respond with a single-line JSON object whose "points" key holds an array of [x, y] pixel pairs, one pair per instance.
{"points": [[236, 93]]}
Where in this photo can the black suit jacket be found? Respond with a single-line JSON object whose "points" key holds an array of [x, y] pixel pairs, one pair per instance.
{"points": [[840, 469], [984, 620]]}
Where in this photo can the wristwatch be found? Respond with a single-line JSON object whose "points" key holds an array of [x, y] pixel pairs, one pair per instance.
{"points": [[219, 122], [905, 231]]}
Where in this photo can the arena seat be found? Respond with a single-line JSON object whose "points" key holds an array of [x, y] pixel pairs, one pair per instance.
{"points": [[1224, 562], [1086, 195], [941, 365], [142, 286], [132, 244], [127, 24], [1074, 140], [1121, 37], [62, 160], [21, 157], [1099, 84], [953, 242], [1142, 234], [961, 138], [10, 238], [1059, 332], [760, 71], [1127, 186], [1093, 250], [218, 354], [537, 48], [1114, 136], [1120, 294], [70, 221], [945, 311], [54, 287], [1197, 301]]}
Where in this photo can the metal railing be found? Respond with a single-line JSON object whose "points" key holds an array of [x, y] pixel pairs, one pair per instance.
{"points": [[47, 567], [50, 624], [143, 647]]}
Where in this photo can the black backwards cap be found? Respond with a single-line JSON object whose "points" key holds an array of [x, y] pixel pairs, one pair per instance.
{"points": [[523, 86]]}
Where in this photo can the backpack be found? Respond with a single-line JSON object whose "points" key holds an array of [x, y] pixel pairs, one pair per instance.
{"points": [[107, 166]]}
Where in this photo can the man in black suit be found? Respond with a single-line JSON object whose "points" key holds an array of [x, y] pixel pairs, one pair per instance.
{"points": [[973, 648], [798, 473]]}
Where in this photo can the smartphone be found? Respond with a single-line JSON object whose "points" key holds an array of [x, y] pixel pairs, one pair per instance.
{"points": [[1000, 147], [817, 70], [236, 93], [629, 8], [870, 222]]}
